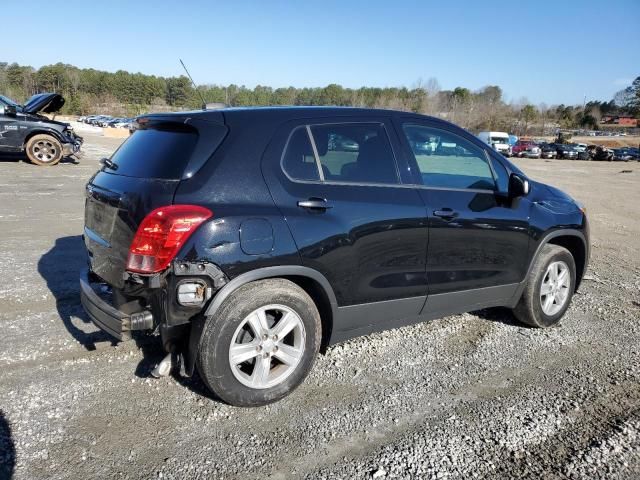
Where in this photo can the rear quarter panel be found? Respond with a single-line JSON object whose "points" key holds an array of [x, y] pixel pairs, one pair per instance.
{"points": [[231, 185]]}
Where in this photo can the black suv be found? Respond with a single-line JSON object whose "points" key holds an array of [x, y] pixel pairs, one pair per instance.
{"points": [[24, 130], [252, 238]]}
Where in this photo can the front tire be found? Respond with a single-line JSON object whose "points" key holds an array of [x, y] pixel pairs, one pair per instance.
{"points": [[43, 150], [262, 343], [549, 288]]}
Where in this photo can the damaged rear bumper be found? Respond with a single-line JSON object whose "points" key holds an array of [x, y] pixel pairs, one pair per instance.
{"points": [[108, 318]]}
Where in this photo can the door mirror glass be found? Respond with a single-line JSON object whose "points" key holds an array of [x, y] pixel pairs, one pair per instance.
{"points": [[518, 185], [10, 110]]}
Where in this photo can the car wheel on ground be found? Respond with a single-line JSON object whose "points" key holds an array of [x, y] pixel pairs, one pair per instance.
{"points": [[262, 343], [44, 150], [549, 288]]}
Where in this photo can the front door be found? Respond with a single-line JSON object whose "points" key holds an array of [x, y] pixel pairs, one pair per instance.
{"points": [[478, 239], [337, 183], [9, 132]]}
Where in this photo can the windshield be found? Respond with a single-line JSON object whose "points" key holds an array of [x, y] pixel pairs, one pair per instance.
{"points": [[499, 139]]}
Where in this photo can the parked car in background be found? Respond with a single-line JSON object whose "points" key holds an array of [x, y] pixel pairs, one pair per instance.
{"points": [[600, 153], [526, 148], [548, 151], [121, 123], [499, 141], [249, 240], [623, 155], [579, 147], [23, 128], [566, 152], [104, 121], [343, 144], [112, 122], [97, 120]]}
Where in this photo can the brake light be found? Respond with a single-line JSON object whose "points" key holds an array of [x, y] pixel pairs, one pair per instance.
{"points": [[161, 234]]}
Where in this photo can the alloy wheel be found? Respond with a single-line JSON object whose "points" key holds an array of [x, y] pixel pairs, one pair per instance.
{"points": [[554, 290], [44, 150], [267, 346]]}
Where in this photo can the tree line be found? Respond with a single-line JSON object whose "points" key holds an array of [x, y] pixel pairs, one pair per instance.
{"points": [[89, 91]]}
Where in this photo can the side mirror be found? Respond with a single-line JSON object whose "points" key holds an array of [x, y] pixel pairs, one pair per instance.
{"points": [[518, 186], [10, 110]]}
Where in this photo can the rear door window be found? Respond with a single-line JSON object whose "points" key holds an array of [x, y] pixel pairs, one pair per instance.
{"points": [[341, 153], [298, 159], [155, 153], [355, 153], [446, 160]]}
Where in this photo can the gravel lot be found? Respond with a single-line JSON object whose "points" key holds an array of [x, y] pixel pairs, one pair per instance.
{"points": [[469, 396]]}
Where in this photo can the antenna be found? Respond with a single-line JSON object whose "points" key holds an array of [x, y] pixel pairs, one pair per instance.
{"points": [[204, 104]]}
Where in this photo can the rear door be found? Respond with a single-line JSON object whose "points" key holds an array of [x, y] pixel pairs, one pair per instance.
{"points": [[478, 239], [337, 182], [146, 171]]}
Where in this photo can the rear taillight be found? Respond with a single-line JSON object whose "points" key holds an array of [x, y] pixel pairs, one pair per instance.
{"points": [[161, 234]]}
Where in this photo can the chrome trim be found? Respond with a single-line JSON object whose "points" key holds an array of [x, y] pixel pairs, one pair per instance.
{"points": [[315, 153]]}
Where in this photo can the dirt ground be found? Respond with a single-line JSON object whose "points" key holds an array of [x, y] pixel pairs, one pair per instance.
{"points": [[468, 396]]}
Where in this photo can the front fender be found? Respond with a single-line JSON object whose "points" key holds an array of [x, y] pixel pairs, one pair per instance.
{"points": [[47, 131], [546, 238]]}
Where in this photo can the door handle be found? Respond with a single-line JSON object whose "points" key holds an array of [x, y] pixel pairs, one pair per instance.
{"points": [[445, 213], [314, 203]]}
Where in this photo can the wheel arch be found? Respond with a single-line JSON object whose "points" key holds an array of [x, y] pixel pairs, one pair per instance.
{"points": [[42, 131], [311, 281], [572, 240], [578, 249]]}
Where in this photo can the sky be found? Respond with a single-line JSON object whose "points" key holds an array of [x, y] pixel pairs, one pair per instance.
{"points": [[552, 51]]}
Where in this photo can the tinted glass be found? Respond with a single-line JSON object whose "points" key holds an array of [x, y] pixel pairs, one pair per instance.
{"points": [[502, 176], [447, 160], [355, 152], [298, 160], [155, 153]]}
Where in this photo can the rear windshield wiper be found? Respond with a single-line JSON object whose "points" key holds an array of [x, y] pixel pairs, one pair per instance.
{"points": [[105, 162]]}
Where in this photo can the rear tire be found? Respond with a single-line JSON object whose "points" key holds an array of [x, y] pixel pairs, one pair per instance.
{"points": [[44, 150], [545, 300], [247, 325]]}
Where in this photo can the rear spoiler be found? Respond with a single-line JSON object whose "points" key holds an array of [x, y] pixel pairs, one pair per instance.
{"points": [[209, 125]]}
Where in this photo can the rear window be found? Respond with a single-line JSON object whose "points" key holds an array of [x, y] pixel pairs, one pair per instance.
{"points": [[155, 153]]}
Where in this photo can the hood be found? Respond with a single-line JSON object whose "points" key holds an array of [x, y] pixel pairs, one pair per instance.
{"points": [[542, 192], [553, 198], [43, 102]]}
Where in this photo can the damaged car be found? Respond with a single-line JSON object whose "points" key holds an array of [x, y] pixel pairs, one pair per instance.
{"points": [[24, 129], [248, 240]]}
